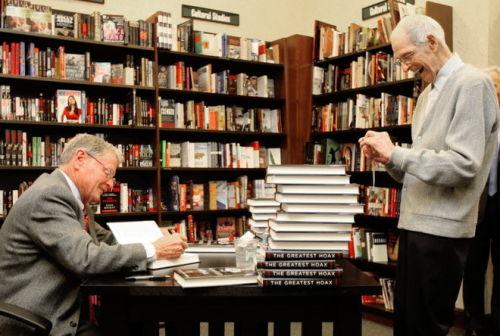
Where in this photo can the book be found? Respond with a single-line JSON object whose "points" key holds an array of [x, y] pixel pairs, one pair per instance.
{"points": [[318, 189], [300, 245], [323, 208], [308, 179], [102, 72], [310, 236], [113, 28], [214, 276], [40, 19], [315, 217], [306, 170], [63, 23], [301, 273], [291, 255], [69, 103], [282, 226], [147, 232], [74, 65], [16, 14], [313, 198], [299, 282], [256, 202]]}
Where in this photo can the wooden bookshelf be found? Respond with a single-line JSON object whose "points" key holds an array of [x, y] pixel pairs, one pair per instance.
{"points": [[399, 132]]}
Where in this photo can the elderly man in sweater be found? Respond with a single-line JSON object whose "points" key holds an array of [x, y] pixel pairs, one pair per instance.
{"points": [[454, 134]]}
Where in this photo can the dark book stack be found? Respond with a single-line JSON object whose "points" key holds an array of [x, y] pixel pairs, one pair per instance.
{"points": [[318, 204], [298, 268]]}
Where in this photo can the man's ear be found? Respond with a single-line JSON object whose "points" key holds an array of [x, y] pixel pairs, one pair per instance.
{"points": [[433, 42], [79, 158]]}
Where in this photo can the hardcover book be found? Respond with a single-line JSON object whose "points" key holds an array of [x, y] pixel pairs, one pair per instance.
{"points": [[113, 28], [63, 23], [74, 66], [298, 282], [273, 255], [214, 276], [40, 19], [69, 103]]}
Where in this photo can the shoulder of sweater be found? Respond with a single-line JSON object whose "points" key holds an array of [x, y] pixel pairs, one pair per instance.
{"points": [[471, 76]]}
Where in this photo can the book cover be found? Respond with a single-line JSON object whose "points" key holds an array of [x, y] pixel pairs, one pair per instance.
{"points": [[274, 255], [74, 66], [300, 227], [214, 276], [110, 200], [318, 189], [298, 264], [299, 282], [40, 19], [310, 236], [301, 273], [233, 47], [63, 23], [17, 14], [225, 229], [117, 73], [301, 245], [113, 28], [301, 169], [102, 72], [308, 179], [69, 104]]}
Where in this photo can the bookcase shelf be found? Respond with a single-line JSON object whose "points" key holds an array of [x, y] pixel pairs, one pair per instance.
{"points": [[125, 214], [221, 98], [236, 64], [382, 179], [400, 132], [400, 86], [29, 80], [353, 55], [5, 32], [376, 222], [241, 171], [55, 125], [206, 213]]}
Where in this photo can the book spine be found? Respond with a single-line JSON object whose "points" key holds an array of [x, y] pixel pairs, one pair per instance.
{"points": [[312, 255], [300, 282], [293, 264], [301, 273]]}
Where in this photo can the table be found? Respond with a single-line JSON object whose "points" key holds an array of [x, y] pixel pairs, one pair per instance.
{"points": [[135, 308]]}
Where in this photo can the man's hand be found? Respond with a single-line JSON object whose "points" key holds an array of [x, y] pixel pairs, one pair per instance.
{"points": [[170, 246], [377, 146]]}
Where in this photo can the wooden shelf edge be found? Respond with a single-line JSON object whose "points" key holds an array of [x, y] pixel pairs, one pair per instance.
{"points": [[351, 54], [70, 125]]}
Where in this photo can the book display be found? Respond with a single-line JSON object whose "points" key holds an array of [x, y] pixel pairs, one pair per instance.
{"points": [[205, 136]]}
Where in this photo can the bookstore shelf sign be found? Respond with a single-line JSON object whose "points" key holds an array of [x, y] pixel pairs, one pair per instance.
{"points": [[211, 15], [379, 8]]}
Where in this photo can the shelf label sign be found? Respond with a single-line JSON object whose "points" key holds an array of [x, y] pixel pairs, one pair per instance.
{"points": [[211, 15], [380, 8]]}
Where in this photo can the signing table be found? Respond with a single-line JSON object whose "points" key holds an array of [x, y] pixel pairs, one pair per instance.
{"points": [[136, 308]]}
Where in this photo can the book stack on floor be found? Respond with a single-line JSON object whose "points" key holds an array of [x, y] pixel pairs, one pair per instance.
{"points": [[262, 210], [297, 268], [318, 205]]}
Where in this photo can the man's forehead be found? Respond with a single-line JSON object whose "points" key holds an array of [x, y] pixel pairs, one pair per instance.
{"points": [[401, 44]]}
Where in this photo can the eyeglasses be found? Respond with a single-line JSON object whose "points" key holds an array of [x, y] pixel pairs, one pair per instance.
{"points": [[109, 173], [405, 58]]}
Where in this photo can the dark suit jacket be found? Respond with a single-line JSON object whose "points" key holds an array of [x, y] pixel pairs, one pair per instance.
{"points": [[45, 253]]}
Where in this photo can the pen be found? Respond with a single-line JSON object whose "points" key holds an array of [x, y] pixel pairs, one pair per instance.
{"points": [[148, 277]]}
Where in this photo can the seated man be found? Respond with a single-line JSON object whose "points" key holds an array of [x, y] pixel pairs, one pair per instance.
{"points": [[47, 247]]}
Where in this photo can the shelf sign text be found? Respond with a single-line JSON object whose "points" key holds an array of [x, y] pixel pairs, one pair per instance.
{"points": [[212, 15]]}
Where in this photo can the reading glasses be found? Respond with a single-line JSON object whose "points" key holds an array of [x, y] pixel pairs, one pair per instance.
{"points": [[109, 173]]}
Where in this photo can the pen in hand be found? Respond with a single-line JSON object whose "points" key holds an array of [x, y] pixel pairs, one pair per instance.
{"points": [[148, 277]]}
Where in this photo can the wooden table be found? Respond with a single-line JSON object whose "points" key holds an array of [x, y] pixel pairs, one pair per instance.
{"points": [[135, 308]]}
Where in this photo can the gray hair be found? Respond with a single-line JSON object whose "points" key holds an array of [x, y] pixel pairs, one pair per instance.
{"points": [[92, 144], [418, 27]]}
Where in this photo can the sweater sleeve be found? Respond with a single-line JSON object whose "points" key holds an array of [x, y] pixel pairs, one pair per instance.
{"points": [[471, 125]]}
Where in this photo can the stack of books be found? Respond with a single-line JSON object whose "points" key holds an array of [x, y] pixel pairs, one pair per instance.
{"points": [[296, 268], [262, 210], [318, 205]]}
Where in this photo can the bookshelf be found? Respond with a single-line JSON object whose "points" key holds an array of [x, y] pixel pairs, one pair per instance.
{"points": [[150, 132]]}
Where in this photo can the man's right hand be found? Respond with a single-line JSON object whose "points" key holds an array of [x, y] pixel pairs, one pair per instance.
{"points": [[170, 246]]}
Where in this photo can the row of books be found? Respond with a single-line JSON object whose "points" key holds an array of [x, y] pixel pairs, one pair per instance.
{"points": [[367, 70], [25, 16], [179, 76], [28, 59], [364, 112], [330, 151], [197, 115], [124, 199], [212, 195], [9, 197], [217, 155], [220, 230], [74, 106], [224, 45], [381, 201], [17, 148]]}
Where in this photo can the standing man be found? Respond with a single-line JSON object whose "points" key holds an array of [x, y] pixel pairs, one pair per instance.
{"points": [[47, 247], [487, 232], [454, 135]]}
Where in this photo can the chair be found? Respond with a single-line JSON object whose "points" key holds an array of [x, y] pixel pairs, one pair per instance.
{"points": [[41, 325]]}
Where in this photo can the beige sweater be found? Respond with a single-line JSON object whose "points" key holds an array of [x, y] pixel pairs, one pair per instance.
{"points": [[445, 171]]}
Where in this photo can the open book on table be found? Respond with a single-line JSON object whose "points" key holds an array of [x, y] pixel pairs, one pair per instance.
{"points": [[144, 232]]}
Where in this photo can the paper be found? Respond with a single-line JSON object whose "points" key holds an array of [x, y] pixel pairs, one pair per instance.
{"points": [[135, 231]]}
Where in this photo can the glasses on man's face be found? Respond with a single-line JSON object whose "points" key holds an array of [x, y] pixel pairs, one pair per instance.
{"points": [[109, 173], [405, 58]]}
